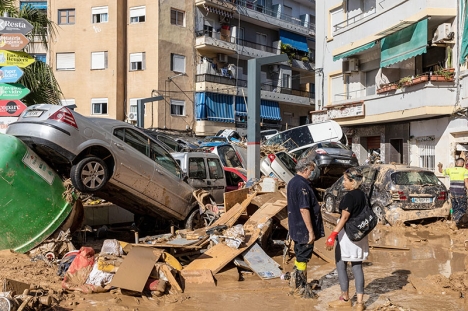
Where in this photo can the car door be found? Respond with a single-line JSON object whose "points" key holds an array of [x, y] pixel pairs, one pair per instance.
{"points": [[133, 167], [166, 185], [369, 175], [216, 180]]}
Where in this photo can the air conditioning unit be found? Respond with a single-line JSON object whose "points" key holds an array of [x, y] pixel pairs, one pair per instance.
{"points": [[350, 65], [223, 58], [443, 32], [132, 116]]}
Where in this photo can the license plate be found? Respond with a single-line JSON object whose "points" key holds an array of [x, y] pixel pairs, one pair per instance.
{"points": [[343, 161], [272, 175], [421, 200], [33, 114]]}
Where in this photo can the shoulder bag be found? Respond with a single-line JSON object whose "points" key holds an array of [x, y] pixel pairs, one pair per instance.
{"points": [[358, 227]]}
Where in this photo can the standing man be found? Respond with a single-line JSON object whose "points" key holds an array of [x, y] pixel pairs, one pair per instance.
{"points": [[304, 219], [458, 184]]}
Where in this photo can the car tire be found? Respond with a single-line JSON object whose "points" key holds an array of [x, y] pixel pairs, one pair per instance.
{"points": [[195, 220], [379, 212], [329, 204], [89, 175]]}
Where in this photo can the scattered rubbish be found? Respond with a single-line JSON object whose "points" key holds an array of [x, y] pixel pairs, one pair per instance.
{"points": [[262, 264]]}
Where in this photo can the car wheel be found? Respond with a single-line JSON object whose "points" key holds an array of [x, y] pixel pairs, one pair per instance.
{"points": [[195, 220], [379, 212], [89, 175], [329, 204]]}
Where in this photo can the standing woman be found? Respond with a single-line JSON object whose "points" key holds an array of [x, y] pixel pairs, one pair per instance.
{"points": [[346, 250]]}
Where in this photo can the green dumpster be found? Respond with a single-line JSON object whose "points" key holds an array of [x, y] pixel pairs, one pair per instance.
{"points": [[31, 202]]}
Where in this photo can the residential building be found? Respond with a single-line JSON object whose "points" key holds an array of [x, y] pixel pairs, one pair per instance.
{"points": [[384, 72], [228, 34]]}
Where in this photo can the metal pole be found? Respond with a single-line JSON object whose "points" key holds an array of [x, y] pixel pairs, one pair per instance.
{"points": [[253, 118]]}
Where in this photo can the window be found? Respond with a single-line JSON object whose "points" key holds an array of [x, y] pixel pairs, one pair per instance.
{"points": [[427, 156], [178, 63], [98, 60], [215, 168], [133, 106], [40, 57], [137, 61], [285, 81], [138, 14], [177, 107], [65, 61], [197, 168], [66, 17], [99, 14], [261, 41], [67, 102], [177, 17], [99, 106], [337, 16]]}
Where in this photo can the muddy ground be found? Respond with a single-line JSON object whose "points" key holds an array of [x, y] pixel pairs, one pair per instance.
{"points": [[417, 267]]}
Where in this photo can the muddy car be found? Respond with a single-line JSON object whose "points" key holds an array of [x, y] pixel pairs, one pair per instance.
{"points": [[397, 193], [110, 158]]}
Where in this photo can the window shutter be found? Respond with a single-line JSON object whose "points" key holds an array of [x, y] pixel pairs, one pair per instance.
{"points": [[66, 61], [67, 102], [136, 57], [99, 100], [98, 60], [138, 11], [178, 63], [143, 61], [100, 10]]}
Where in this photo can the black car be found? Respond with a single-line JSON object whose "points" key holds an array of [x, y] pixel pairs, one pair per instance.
{"points": [[397, 193], [333, 158]]}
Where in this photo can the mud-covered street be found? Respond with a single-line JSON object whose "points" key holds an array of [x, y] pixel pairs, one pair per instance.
{"points": [[417, 267]]}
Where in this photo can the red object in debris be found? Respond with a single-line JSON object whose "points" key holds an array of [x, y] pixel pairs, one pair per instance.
{"points": [[152, 284]]}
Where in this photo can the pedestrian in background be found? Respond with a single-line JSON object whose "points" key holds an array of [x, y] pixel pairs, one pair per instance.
{"points": [[458, 184], [304, 219], [346, 250]]}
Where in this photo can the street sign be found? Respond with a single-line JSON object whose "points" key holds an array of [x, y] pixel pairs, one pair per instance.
{"points": [[13, 91], [10, 74], [13, 41], [20, 59], [11, 108], [14, 25]]}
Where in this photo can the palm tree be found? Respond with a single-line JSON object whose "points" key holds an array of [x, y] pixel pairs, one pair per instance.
{"points": [[38, 77]]}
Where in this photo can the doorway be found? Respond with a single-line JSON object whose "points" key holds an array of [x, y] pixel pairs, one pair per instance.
{"points": [[396, 151]]}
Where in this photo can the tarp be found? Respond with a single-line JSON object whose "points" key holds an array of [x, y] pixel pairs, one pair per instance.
{"points": [[295, 40], [404, 44], [354, 51]]}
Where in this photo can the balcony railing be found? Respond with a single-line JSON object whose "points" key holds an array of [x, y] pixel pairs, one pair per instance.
{"points": [[354, 19], [289, 91], [254, 5], [220, 80]]}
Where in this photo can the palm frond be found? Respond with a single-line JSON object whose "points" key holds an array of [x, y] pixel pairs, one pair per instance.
{"points": [[40, 80], [43, 27]]}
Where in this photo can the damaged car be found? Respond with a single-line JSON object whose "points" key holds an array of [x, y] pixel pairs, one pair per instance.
{"points": [[112, 159], [397, 193]]}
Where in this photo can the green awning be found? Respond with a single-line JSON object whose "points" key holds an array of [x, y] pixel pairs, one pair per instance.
{"points": [[354, 51], [464, 24], [404, 44]]}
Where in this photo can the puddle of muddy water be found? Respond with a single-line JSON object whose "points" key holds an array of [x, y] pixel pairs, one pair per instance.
{"points": [[427, 253]]}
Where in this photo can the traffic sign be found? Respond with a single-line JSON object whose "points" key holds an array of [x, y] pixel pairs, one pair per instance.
{"points": [[11, 58], [13, 41], [10, 74], [13, 91], [11, 108], [14, 25]]}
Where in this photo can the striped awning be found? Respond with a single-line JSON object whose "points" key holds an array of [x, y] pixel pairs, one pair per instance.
{"points": [[218, 11]]}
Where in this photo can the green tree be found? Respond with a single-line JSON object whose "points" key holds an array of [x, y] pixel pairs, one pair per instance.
{"points": [[38, 77]]}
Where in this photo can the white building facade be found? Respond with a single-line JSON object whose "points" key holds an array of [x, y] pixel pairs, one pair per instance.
{"points": [[389, 72]]}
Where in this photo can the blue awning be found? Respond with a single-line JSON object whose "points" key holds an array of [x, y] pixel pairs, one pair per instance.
{"points": [[270, 110], [296, 41], [241, 107], [39, 5], [214, 107]]}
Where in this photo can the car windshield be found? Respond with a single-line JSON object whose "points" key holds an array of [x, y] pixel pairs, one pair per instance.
{"points": [[414, 178], [293, 138], [288, 161]]}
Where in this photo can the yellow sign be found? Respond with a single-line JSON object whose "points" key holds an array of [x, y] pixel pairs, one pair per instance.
{"points": [[20, 59]]}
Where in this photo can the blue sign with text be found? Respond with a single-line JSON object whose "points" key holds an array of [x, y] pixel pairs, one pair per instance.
{"points": [[10, 74]]}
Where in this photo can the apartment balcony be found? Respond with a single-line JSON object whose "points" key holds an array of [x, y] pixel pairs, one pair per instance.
{"points": [[227, 85], [391, 16], [414, 101]]}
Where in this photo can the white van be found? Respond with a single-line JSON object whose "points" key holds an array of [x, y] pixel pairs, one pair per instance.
{"points": [[299, 138]]}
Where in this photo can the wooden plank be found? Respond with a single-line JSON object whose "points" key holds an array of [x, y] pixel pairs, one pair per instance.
{"points": [[135, 269], [262, 264], [233, 197], [264, 213], [195, 278], [230, 217], [171, 279]]}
